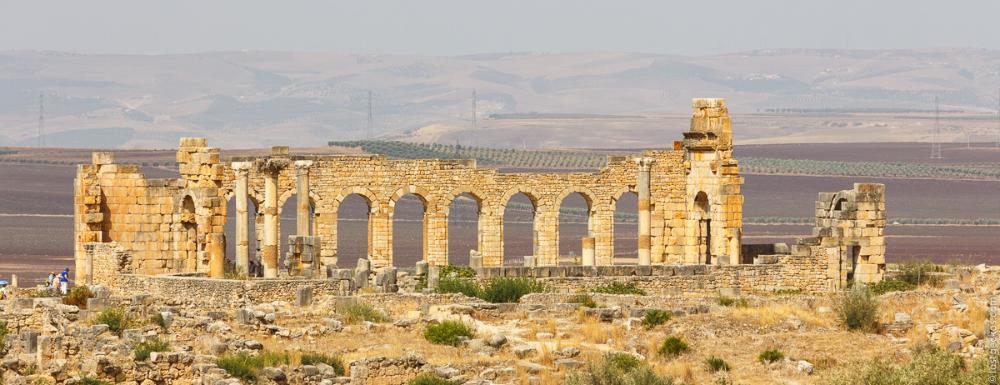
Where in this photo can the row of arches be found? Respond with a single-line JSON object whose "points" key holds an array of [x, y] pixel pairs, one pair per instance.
{"points": [[409, 240]]}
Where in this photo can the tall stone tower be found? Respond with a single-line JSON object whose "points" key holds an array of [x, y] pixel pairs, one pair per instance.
{"points": [[714, 212]]}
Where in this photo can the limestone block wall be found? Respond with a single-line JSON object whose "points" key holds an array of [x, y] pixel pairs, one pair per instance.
{"points": [[850, 226], [690, 203], [787, 272], [165, 224]]}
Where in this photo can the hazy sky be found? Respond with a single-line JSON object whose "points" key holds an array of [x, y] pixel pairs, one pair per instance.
{"points": [[449, 27]]}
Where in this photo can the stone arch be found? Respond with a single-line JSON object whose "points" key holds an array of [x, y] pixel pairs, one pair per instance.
{"points": [[535, 198], [532, 194], [617, 195], [374, 208], [430, 210], [618, 247], [373, 200], [590, 200], [445, 209], [419, 192], [476, 193]]}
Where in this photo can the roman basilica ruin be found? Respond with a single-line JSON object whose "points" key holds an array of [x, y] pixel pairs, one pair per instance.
{"points": [[689, 218]]}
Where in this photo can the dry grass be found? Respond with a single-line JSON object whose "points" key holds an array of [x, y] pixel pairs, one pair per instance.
{"points": [[775, 314]]}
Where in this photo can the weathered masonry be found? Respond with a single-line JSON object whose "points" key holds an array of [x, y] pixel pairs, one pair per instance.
{"points": [[689, 205]]}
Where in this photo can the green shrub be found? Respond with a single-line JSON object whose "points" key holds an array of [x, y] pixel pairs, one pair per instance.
{"points": [[617, 369], [715, 364], [655, 317], [78, 297], [247, 367], [143, 349], [622, 361], [673, 347], [620, 288], [464, 286], [770, 356], [916, 273], [891, 285], [930, 366], [509, 290], [117, 319], [452, 271], [92, 381], [355, 312], [583, 300], [430, 379], [241, 365], [857, 309], [730, 301], [310, 358], [158, 320], [447, 332]]}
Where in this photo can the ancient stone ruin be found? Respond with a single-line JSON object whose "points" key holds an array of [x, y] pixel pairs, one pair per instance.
{"points": [[690, 214]]}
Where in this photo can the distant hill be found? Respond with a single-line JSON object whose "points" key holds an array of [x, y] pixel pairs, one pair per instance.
{"points": [[255, 99]]}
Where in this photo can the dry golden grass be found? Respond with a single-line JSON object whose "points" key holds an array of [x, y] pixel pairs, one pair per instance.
{"points": [[775, 314]]}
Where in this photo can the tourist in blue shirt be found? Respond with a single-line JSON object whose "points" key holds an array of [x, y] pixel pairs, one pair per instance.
{"points": [[64, 281]]}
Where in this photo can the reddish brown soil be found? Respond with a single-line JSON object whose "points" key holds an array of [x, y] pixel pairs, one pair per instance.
{"points": [[874, 152]]}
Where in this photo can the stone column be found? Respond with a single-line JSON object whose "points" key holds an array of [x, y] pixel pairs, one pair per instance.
{"points": [[588, 251], [642, 185], [302, 197], [242, 171], [271, 168], [216, 255]]}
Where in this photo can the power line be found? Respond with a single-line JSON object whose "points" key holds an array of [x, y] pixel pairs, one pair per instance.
{"points": [[41, 120], [370, 132], [475, 122], [936, 134]]}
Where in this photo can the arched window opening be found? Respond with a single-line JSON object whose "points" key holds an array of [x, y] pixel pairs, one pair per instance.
{"points": [[409, 230], [626, 229], [574, 225], [519, 232], [463, 228], [353, 230]]}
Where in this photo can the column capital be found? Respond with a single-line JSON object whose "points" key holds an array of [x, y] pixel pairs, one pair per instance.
{"points": [[644, 162], [272, 165], [241, 168], [303, 165]]}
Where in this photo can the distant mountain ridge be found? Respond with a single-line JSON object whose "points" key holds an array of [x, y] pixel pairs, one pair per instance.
{"points": [[254, 99]]}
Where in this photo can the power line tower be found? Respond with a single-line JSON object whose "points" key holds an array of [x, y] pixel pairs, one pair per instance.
{"points": [[41, 120], [936, 134], [370, 131], [475, 116], [998, 118]]}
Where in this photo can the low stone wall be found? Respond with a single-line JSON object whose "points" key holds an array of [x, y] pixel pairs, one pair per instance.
{"points": [[219, 293], [788, 272], [387, 371]]}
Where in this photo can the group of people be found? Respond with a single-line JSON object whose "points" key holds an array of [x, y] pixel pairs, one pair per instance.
{"points": [[54, 282], [60, 282]]}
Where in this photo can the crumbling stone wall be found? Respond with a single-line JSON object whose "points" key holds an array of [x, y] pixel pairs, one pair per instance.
{"points": [[689, 205], [787, 272], [166, 225]]}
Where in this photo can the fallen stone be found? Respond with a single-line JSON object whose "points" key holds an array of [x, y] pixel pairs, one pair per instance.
{"points": [[524, 351], [496, 340], [804, 367]]}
